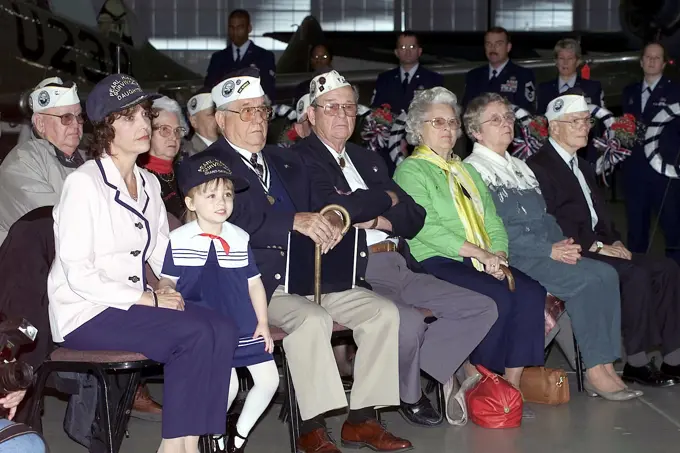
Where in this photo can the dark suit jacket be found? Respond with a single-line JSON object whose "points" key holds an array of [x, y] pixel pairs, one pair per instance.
{"points": [[222, 63], [268, 227], [565, 199], [388, 88], [516, 83]]}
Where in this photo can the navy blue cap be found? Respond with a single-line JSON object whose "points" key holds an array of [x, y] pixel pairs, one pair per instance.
{"points": [[113, 94], [200, 168]]}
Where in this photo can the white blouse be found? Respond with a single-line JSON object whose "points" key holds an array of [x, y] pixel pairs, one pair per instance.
{"points": [[103, 238]]}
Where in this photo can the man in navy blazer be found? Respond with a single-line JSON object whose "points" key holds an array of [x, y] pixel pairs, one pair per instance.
{"points": [[346, 174], [242, 53], [397, 86], [501, 75], [645, 188], [279, 200]]}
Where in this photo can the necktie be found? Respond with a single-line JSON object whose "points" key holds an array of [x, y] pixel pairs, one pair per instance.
{"points": [[564, 88], [494, 73], [572, 163], [259, 169], [404, 83], [238, 54], [646, 94], [225, 246], [341, 161]]}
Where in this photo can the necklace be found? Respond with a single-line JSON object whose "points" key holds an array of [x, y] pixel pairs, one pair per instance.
{"points": [[167, 177]]}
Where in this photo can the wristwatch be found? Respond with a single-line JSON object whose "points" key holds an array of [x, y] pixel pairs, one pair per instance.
{"points": [[599, 246]]}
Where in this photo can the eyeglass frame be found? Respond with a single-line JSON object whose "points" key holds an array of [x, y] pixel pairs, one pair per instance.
{"points": [[62, 119], [265, 110], [325, 108], [182, 131], [507, 117], [448, 122]]}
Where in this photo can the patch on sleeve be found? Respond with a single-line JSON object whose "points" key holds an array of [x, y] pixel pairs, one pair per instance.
{"points": [[530, 91]]}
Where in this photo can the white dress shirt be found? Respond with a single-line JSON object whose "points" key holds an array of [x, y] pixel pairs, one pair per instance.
{"points": [[103, 239], [204, 140], [498, 69], [568, 158], [646, 94], [564, 85], [356, 182], [411, 73], [242, 50], [246, 155]]}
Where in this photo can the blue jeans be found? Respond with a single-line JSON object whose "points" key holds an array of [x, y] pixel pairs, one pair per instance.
{"points": [[28, 443]]}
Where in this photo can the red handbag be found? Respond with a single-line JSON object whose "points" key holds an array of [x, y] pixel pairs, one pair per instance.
{"points": [[494, 402]]}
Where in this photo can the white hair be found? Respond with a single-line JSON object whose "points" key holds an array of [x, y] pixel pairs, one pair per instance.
{"points": [[170, 105], [417, 111]]}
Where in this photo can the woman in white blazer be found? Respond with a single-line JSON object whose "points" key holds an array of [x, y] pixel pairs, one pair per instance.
{"points": [[109, 222]]}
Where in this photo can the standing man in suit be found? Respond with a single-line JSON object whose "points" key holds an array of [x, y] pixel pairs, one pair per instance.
{"points": [[242, 53], [646, 189], [501, 75], [353, 177], [201, 111], [397, 86], [279, 200], [650, 287]]}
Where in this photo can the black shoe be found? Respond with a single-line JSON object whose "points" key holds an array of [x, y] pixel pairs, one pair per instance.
{"points": [[671, 370], [648, 375], [232, 434], [421, 413]]}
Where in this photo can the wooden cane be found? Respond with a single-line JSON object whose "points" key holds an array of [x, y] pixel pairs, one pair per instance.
{"points": [[509, 276], [317, 250]]}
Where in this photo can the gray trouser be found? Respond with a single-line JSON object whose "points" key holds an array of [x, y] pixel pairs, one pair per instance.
{"points": [[463, 319]]}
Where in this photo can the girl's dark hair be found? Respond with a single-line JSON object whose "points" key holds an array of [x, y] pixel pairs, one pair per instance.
{"points": [[103, 132]]}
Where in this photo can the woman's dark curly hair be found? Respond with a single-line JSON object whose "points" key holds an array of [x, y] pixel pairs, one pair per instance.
{"points": [[103, 132]]}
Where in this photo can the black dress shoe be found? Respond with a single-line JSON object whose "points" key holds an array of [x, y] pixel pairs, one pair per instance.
{"points": [[421, 413], [671, 370], [648, 375], [232, 434]]}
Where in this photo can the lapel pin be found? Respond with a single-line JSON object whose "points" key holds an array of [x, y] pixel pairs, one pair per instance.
{"points": [[285, 165], [375, 169]]}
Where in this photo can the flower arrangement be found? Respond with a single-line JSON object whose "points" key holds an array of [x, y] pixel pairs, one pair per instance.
{"points": [[533, 133], [614, 146], [376, 129]]}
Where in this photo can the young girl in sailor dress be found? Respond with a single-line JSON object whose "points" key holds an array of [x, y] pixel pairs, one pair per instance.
{"points": [[210, 264]]}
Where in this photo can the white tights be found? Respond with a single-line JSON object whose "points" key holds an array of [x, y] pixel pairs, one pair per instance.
{"points": [[266, 381]]}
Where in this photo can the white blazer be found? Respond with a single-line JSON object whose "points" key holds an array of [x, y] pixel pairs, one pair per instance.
{"points": [[103, 238]]}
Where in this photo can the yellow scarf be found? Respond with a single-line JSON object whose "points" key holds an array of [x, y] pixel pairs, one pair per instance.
{"points": [[470, 209]]}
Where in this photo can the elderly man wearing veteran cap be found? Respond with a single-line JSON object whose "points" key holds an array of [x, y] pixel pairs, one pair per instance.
{"points": [[201, 110], [32, 175], [357, 179], [650, 286], [280, 200]]}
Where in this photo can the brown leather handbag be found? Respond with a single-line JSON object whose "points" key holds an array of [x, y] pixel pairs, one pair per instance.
{"points": [[545, 386]]}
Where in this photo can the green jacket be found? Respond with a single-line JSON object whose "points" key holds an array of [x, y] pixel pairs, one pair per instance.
{"points": [[443, 233]]}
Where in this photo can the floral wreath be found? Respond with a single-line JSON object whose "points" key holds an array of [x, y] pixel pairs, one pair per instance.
{"points": [[616, 141], [377, 127], [533, 132], [651, 141]]}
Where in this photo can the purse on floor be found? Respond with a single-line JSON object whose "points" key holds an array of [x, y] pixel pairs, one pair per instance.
{"points": [[494, 402], [544, 386]]}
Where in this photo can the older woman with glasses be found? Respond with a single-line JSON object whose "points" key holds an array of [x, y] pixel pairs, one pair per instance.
{"points": [[169, 127], [537, 246], [463, 240]]}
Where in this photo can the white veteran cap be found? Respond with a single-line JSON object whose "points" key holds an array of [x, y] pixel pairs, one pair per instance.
{"points": [[324, 83], [244, 84], [301, 109], [53, 92], [201, 101], [569, 103]]}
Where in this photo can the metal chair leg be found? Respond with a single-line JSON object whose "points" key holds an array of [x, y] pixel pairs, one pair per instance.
{"points": [[105, 408], [124, 409], [293, 410], [39, 388], [579, 366]]}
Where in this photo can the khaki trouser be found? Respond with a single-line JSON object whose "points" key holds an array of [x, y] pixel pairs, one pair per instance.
{"points": [[374, 321]]}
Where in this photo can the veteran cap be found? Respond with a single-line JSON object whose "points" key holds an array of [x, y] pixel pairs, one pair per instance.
{"points": [[239, 85], [323, 83], [53, 92], [568, 103], [198, 102], [115, 93], [301, 108], [200, 168]]}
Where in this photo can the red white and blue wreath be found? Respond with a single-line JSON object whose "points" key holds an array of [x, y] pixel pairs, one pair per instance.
{"points": [[654, 130]]}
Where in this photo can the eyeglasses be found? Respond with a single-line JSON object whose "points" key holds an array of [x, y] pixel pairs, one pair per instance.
{"points": [[440, 123], [497, 120], [320, 57], [68, 118], [247, 114], [409, 47], [579, 122], [166, 130], [334, 109]]}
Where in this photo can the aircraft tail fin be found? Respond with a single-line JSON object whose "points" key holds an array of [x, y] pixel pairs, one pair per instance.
{"points": [[296, 56]]}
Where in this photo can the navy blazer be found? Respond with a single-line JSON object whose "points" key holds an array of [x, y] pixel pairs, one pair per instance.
{"points": [[388, 88], [547, 91], [665, 93], [566, 202], [516, 83], [268, 227], [222, 63]]}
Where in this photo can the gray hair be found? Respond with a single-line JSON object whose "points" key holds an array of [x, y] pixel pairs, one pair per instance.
{"points": [[475, 109], [417, 111], [568, 44], [170, 105]]}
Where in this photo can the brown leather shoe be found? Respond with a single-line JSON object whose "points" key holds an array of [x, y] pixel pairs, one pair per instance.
{"points": [[316, 441], [373, 435], [144, 407]]}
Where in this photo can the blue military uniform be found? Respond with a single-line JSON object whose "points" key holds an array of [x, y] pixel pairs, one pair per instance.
{"points": [[222, 63], [389, 88], [644, 187], [513, 82]]}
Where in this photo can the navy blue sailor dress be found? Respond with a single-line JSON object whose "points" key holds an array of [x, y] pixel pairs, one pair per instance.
{"points": [[213, 272]]}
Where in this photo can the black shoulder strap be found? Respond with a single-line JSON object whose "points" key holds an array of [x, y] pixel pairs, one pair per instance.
{"points": [[16, 430]]}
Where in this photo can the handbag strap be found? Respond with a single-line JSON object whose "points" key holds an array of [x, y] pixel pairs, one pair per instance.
{"points": [[15, 430]]}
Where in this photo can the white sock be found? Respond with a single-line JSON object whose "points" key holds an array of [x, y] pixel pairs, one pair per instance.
{"points": [[266, 381], [233, 388]]}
